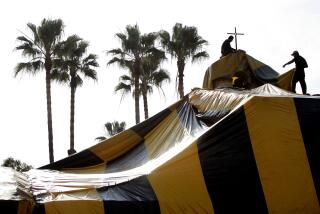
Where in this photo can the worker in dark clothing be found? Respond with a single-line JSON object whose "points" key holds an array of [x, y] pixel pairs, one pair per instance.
{"points": [[299, 75], [226, 47]]}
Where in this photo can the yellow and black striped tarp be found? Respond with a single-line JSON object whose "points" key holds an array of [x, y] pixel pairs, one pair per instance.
{"points": [[215, 151]]}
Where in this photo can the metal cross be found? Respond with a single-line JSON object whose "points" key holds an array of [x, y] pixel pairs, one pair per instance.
{"points": [[235, 35]]}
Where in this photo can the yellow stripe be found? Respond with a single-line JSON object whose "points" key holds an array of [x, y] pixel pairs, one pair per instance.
{"points": [[284, 81], [78, 202], [179, 184], [280, 155], [74, 207], [25, 207], [116, 146]]}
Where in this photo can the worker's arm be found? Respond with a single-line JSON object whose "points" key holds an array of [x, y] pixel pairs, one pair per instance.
{"points": [[291, 61]]}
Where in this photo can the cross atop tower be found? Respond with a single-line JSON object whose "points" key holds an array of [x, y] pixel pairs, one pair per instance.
{"points": [[235, 36]]}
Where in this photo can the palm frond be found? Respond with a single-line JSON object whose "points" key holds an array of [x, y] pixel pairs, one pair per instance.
{"points": [[132, 43], [28, 50], [90, 73], [61, 64], [122, 63], [59, 76], [78, 81], [147, 40], [50, 32], [91, 60], [199, 56], [159, 77], [24, 39], [32, 67], [126, 78], [121, 36], [114, 127], [81, 49], [123, 88], [116, 51], [33, 29], [73, 39], [164, 38]]}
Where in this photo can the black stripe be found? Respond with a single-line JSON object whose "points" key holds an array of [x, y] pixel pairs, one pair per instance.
{"points": [[229, 167], [39, 209], [135, 196], [9, 206], [137, 156], [308, 111], [84, 158]]}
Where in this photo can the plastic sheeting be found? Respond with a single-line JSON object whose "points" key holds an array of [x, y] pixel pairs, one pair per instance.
{"points": [[9, 185]]}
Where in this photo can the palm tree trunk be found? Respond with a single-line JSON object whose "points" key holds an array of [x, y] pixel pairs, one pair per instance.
{"points": [[136, 92], [145, 100], [72, 104], [48, 66], [181, 65]]}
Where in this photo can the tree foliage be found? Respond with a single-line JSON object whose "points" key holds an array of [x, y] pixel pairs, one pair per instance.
{"points": [[184, 44], [16, 165], [112, 128]]}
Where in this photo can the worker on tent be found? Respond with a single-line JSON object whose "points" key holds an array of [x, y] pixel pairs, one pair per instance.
{"points": [[299, 75], [226, 47]]}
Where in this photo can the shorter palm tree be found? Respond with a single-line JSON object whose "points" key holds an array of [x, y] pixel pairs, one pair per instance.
{"points": [[153, 76], [68, 69], [112, 128]]}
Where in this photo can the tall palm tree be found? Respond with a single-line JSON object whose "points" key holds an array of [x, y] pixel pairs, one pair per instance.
{"points": [[153, 76], [40, 48], [183, 44], [134, 47], [112, 128], [72, 64]]}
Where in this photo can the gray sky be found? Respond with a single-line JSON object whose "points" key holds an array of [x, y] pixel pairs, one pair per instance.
{"points": [[273, 29]]}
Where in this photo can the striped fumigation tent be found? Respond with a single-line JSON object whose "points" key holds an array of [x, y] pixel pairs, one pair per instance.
{"points": [[250, 71], [215, 151]]}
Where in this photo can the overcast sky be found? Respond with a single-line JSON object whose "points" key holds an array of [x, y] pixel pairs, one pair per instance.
{"points": [[273, 29]]}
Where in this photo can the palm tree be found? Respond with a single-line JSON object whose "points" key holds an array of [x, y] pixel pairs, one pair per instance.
{"points": [[68, 69], [40, 48], [112, 129], [184, 44], [153, 76], [134, 47]]}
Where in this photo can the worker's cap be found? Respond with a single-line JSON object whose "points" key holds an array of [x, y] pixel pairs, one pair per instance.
{"points": [[294, 53]]}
